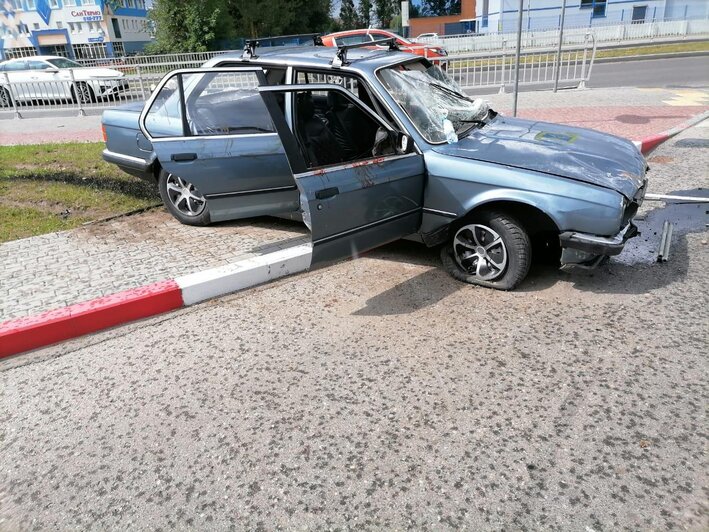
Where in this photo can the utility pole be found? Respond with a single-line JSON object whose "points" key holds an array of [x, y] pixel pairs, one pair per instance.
{"points": [[558, 51], [519, 46]]}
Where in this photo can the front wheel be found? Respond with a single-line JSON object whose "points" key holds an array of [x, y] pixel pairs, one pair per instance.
{"points": [[5, 98], [183, 200], [492, 249]]}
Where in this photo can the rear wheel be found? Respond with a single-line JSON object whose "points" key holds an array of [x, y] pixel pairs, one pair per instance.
{"points": [[83, 93], [491, 249], [183, 200]]}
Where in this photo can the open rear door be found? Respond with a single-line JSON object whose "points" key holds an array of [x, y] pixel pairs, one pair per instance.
{"points": [[210, 127], [360, 182]]}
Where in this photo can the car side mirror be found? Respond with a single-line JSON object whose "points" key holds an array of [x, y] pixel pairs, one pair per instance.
{"points": [[53, 70]]}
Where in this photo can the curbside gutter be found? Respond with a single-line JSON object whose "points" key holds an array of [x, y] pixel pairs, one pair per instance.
{"points": [[32, 332], [648, 144]]}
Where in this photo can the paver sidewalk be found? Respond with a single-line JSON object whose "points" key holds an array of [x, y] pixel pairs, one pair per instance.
{"points": [[58, 269]]}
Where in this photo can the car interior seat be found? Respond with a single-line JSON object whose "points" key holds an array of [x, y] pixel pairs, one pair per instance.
{"points": [[319, 143]]}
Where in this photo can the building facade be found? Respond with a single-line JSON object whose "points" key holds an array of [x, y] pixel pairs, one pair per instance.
{"points": [[78, 29], [447, 17], [495, 16]]}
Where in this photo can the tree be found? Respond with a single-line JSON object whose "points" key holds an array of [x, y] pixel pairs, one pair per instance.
{"points": [[385, 10], [348, 15], [187, 26], [365, 13]]}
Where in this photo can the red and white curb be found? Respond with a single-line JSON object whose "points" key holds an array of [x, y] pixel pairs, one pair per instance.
{"points": [[650, 143], [32, 332]]}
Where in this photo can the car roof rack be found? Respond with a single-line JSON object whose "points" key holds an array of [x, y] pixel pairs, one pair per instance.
{"points": [[340, 58], [251, 44]]}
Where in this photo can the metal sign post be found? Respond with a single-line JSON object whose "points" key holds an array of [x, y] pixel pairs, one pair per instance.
{"points": [[558, 51], [519, 46], [405, 18]]}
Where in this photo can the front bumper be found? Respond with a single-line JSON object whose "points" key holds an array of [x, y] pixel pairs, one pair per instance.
{"points": [[112, 87], [583, 248]]}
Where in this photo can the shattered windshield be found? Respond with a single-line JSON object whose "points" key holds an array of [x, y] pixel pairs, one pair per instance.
{"points": [[433, 102]]}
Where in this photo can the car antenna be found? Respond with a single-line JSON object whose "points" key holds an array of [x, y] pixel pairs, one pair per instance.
{"points": [[340, 58], [250, 49]]}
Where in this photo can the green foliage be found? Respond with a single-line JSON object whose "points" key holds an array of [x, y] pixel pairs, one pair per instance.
{"points": [[188, 26], [365, 13], [52, 187], [386, 10], [349, 19]]}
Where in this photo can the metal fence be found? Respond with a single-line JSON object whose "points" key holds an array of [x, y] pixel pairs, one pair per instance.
{"points": [[666, 30], [537, 66], [136, 77]]}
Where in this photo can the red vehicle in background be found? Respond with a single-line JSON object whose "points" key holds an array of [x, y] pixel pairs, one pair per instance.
{"points": [[365, 35]]}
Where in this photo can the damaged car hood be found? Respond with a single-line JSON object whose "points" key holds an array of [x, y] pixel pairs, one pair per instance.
{"points": [[565, 151]]}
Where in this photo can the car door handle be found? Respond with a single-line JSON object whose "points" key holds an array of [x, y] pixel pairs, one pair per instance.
{"points": [[183, 157], [327, 193]]}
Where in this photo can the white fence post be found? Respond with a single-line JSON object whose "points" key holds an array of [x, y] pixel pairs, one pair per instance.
{"points": [[11, 97], [504, 58], [140, 81], [76, 93]]}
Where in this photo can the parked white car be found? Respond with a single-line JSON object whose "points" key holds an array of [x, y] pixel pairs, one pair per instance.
{"points": [[46, 77]]}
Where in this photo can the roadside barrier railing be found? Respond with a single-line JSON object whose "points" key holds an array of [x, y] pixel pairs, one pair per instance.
{"points": [[616, 34], [537, 66]]}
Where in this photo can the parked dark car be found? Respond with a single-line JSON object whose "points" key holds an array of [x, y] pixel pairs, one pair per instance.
{"points": [[372, 146]]}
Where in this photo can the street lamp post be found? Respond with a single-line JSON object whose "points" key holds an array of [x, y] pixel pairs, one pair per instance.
{"points": [[558, 51], [519, 46]]}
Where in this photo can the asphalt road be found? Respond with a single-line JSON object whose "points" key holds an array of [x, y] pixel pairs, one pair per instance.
{"points": [[678, 72], [382, 394]]}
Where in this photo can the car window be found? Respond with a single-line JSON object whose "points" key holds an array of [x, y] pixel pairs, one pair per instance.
{"points": [[15, 65], [37, 65], [353, 39], [331, 128], [61, 62], [435, 104], [350, 83], [217, 103]]}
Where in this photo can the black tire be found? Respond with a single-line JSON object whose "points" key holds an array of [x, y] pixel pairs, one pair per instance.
{"points": [[5, 98], [86, 93], [200, 218], [489, 224]]}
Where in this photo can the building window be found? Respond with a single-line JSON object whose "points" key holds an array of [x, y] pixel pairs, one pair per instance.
{"points": [[598, 7], [54, 4], [69, 2], [71, 27], [36, 25], [59, 25], [427, 8], [118, 49], [14, 53], [31, 4], [79, 28]]}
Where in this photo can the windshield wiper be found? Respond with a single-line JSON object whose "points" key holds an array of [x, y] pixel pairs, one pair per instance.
{"points": [[448, 90]]}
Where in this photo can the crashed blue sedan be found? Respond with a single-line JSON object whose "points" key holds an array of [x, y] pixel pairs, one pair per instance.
{"points": [[370, 146]]}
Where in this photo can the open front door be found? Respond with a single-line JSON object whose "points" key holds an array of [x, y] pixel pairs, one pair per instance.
{"points": [[360, 185], [210, 128]]}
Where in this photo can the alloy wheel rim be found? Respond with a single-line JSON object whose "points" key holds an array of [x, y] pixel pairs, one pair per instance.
{"points": [[184, 196], [84, 93], [480, 251]]}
